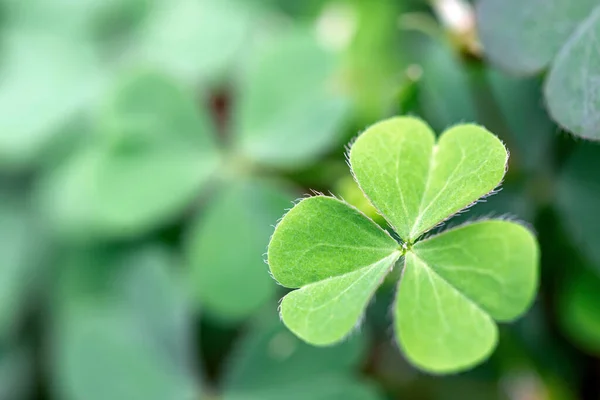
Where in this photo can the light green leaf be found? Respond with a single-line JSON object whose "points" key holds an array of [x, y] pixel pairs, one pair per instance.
{"points": [[150, 159], [36, 67], [110, 340], [325, 312], [323, 237], [492, 262], [226, 246], [572, 97], [290, 110], [579, 310], [538, 29], [438, 328], [370, 70], [417, 184], [454, 283], [193, 39], [338, 256], [577, 193], [271, 364], [559, 34]]}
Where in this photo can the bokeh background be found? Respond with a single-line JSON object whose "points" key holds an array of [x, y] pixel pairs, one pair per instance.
{"points": [[147, 148]]}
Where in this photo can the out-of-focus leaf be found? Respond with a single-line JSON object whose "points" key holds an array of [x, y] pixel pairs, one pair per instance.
{"points": [[374, 58], [306, 9], [271, 363], [121, 329], [577, 200], [538, 29], [21, 247], [443, 88], [16, 372], [526, 37], [56, 17], [193, 39], [44, 80], [290, 109], [151, 157], [521, 103], [226, 246], [579, 310], [572, 98]]}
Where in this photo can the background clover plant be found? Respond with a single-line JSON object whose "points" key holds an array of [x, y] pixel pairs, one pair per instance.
{"points": [[557, 35], [453, 284], [148, 147]]}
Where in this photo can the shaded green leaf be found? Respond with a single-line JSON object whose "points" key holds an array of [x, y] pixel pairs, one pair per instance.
{"points": [[417, 184], [323, 237], [538, 30], [152, 144], [455, 283], [577, 192], [16, 374], [289, 109], [444, 92], [560, 34], [109, 341], [579, 310], [521, 103], [318, 388], [271, 363], [573, 82], [226, 245], [20, 269]]}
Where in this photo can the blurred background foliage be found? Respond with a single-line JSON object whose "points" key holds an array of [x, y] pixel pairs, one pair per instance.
{"points": [[147, 148]]}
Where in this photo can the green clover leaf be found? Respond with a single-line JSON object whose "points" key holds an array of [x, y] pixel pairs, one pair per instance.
{"points": [[554, 35], [454, 284]]}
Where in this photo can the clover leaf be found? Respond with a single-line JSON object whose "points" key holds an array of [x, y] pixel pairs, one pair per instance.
{"points": [[558, 35], [454, 284]]}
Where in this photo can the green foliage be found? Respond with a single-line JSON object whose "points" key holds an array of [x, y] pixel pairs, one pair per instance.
{"points": [[453, 284], [15, 371], [286, 120], [233, 284], [21, 267], [270, 363], [151, 143], [578, 186], [147, 148], [559, 35], [444, 87], [578, 307], [113, 325]]}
